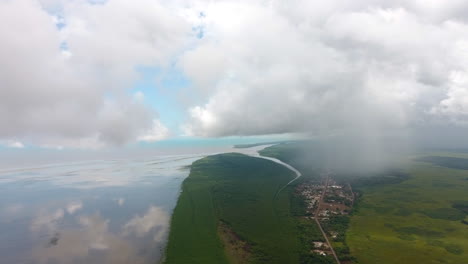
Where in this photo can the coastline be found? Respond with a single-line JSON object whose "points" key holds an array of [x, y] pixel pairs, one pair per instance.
{"points": [[198, 209]]}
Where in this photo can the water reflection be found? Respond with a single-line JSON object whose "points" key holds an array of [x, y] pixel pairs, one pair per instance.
{"points": [[92, 241], [95, 212], [110, 211], [155, 218]]}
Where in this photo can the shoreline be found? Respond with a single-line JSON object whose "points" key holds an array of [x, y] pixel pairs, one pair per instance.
{"points": [[251, 151], [198, 210]]}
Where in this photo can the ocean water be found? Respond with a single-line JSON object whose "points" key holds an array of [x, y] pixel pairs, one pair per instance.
{"points": [[107, 211], [98, 210]]}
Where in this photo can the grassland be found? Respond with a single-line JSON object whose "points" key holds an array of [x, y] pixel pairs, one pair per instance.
{"points": [[415, 215], [228, 213], [421, 219], [310, 165]]}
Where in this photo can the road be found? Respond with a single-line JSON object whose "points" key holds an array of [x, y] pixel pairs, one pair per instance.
{"points": [[298, 175], [318, 222]]}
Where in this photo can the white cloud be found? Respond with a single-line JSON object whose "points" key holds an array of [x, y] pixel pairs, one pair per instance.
{"points": [[12, 144], [260, 67], [120, 201], [74, 244], [61, 87], [157, 132], [47, 221], [339, 67], [155, 219], [73, 207]]}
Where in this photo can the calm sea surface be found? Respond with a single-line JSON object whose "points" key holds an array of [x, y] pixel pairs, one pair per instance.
{"points": [[95, 212], [90, 212]]}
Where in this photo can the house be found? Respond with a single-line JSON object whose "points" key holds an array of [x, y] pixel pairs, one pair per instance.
{"points": [[318, 244], [320, 252]]}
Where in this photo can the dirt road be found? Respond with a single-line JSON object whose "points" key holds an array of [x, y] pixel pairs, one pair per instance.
{"points": [[318, 222]]}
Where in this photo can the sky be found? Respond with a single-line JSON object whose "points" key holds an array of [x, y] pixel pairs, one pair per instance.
{"points": [[78, 74]]}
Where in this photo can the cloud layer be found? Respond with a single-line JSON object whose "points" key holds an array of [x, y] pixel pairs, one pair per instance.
{"points": [[67, 67], [256, 67], [326, 68]]}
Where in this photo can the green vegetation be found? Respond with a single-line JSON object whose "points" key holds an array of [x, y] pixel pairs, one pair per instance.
{"points": [[228, 212], [338, 225], [386, 177], [298, 155], [295, 155], [308, 233], [461, 206], [449, 162], [418, 218], [416, 215], [445, 213], [238, 192]]}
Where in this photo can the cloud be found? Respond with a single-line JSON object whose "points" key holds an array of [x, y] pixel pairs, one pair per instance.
{"points": [[75, 244], [47, 221], [157, 132], [255, 68], [154, 219], [374, 68], [67, 67], [120, 201], [85, 235], [74, 207], [12, 144]]}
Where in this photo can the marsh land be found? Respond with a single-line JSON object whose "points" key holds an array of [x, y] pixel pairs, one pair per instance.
{"points": [[422, 219]]}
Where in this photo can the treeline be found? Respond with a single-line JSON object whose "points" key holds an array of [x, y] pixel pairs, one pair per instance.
{"points": [[307, 230], [388, 177], [338, 225], [308, 233], [449, 162]]}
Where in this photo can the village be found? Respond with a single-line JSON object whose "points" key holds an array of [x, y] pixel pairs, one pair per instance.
{"points": [[323, 200]]}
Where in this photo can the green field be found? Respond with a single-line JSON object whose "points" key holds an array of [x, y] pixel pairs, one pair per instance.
{"points": [[414, 215], [421, 219], [298, 155], [237, 192], [228, 211]]}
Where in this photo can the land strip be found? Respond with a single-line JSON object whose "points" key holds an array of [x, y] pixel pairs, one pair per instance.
{"points": [[239, 192]]}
